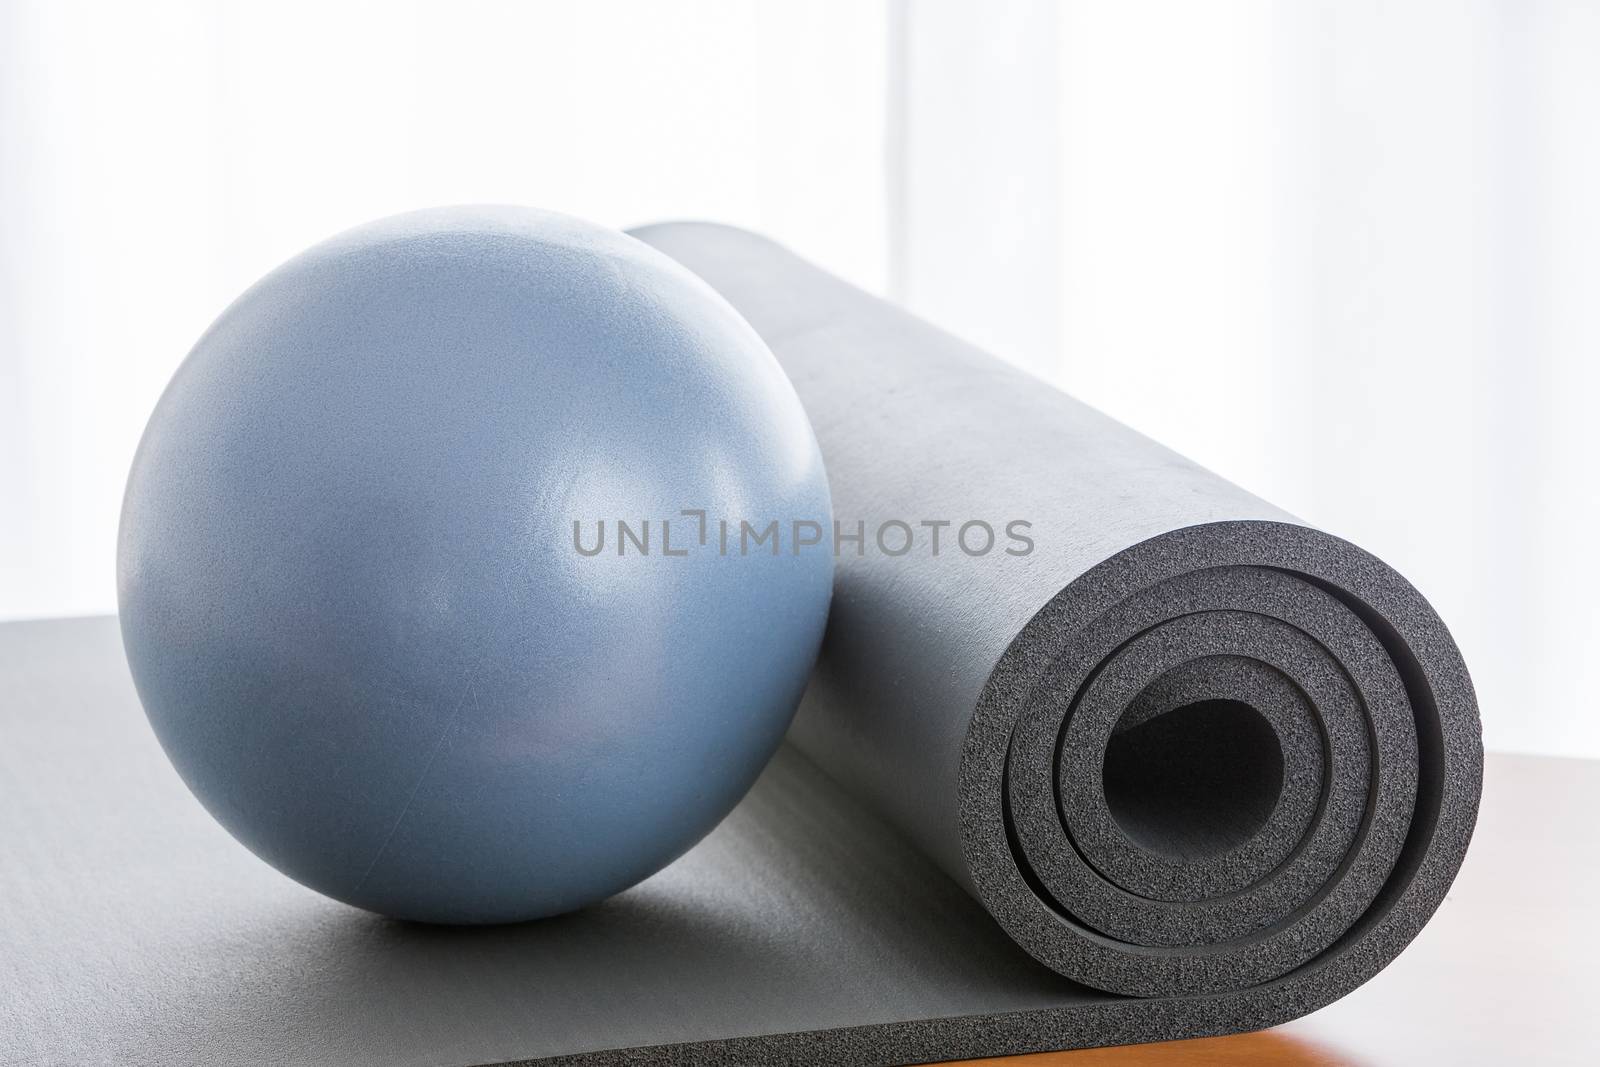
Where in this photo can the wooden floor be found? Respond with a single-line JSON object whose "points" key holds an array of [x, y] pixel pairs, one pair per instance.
{"points": [[1506, 973]]}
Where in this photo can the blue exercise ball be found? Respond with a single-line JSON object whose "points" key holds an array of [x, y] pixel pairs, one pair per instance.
{"points": [[471, 566]]}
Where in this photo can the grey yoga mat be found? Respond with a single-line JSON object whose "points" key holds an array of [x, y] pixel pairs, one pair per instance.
{"points": [[1185, 748], [1187, 767]]}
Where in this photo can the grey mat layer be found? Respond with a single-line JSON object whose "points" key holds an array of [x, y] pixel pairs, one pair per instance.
{"points": [[1186, 745], [133, 930], [883, 909]]}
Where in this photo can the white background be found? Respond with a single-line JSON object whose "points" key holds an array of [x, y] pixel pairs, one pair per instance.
{"points": [[1346, 254]]}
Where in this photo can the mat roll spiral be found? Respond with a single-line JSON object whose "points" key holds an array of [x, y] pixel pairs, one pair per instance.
{"points": [[1187, 745]]}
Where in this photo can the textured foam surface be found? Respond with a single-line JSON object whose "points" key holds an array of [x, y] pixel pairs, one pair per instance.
{"points": [[803, 930], [972, 700]]}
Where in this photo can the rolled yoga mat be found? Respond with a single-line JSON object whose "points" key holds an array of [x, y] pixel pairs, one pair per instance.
{"points": [[1186, 767], [1186, 746]]}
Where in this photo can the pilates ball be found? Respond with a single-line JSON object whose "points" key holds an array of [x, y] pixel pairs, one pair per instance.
{"points": [[351, 586]]}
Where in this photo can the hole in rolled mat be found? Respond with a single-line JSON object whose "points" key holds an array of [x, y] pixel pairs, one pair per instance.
{"points": [[1196, 781]]}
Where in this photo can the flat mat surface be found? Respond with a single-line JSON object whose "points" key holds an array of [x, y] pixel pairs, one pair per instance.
{"points": [[134, 930]]}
